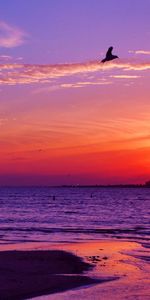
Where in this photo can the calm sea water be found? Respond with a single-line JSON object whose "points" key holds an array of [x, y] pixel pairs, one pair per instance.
{"points": [[73, 214]]}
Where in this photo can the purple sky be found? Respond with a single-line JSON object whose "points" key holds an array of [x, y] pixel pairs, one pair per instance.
{"points": [[68, 30]]}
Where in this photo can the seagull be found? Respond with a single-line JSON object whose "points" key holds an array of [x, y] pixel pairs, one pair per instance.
{"points": [[109, 55]]}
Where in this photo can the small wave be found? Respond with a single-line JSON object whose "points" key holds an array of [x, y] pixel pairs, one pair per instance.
{"points": [[136, 230]]}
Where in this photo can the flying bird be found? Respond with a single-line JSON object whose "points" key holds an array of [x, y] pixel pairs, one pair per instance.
{"points": [[109, 55]]}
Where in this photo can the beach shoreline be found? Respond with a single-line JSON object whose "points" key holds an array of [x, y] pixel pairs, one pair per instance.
{"points": [[33, 270]]}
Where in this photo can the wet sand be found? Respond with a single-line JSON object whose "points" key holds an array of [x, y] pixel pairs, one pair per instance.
{"points": [[125, 261], [45, 269]]}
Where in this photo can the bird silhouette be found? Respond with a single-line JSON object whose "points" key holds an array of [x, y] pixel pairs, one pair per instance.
{"points": [[109, 55]]}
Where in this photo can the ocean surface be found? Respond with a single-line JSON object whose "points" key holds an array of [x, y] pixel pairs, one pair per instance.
{"points": [[46, 214]]}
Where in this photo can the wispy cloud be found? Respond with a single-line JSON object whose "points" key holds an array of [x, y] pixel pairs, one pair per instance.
{"points": [[124, 76], [78, 84], [7, 58], [3, 121], [145, 52], [26, 74], [84, 83], [4, 57], [11, 36]]}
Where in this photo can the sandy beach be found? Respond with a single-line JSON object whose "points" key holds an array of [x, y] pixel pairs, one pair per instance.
{"points": [[112, 268]]}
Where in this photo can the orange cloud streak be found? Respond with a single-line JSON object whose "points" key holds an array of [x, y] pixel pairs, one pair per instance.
{"points": [[25, 74]]}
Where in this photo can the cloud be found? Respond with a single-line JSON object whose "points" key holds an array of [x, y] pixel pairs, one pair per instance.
{"points": [[5, 57], [11, 36], [123, 76], [140, 52], [77, 84], [17, 73], [3, 121], [84, 83]]}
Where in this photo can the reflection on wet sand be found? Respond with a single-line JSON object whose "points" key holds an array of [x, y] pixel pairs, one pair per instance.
{"points": [[112, 259]]}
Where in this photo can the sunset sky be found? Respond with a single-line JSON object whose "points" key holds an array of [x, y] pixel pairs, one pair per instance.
{"points": [[65, 117]]}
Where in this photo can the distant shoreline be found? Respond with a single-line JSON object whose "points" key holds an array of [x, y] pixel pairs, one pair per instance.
{"points": [[79, 186], [108, 186]]}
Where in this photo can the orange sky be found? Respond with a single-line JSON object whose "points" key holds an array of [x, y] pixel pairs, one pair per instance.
{"points": [[95, 135]]}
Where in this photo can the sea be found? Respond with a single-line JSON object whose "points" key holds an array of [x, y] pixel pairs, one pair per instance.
{"points": [[74, 214]]}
